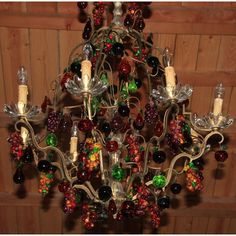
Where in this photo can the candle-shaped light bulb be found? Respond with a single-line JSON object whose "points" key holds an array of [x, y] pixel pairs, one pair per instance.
{"points": [[22, 89], [169, 71], [87, 51], [218, 101], [167, 57], [74, 141], [86, 66]]}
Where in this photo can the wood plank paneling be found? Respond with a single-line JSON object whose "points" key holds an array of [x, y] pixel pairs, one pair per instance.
{"points": [[208, 53], [45, 63], [199, 225], [68, 41], [6, 172], [46, 215], [232, 226], [28, 220], [15, 52], [183, 225], [8, 220], [226, 61], [42, 7], [218, 225], [186, 52]]}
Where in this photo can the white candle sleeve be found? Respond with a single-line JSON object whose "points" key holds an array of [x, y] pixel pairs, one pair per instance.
{"points": [[86, 68], [217, 109], [22, 93], [170, 76], [73, 144], [24, 134]]}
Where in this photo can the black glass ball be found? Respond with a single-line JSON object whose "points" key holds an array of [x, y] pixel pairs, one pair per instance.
{"points": [[104, 193], [18, 177], [118, 49], [199, 163], [52, 168], [127, 208], [164, 202], [105, 127], [82, 5], [43, 165], [112, 89], [88, 27], [86, 35], [82, 16], [123, 110], [153, 61], [75, 67], [28, 155], [128, 21], [138, 83], [159, 156], [175, 188], [116, 123], [140, 24]]}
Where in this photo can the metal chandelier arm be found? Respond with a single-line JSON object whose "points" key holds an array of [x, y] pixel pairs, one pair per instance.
{"points": [[62, 167]]}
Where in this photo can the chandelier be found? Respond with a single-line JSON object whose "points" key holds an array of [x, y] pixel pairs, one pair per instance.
{"points": [[102, 141]]}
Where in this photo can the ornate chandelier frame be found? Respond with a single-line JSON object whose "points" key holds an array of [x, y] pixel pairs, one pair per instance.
{"points": [[100, 154]]}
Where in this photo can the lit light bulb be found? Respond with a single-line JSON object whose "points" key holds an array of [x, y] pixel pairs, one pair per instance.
{"points": [[22, 89], [86, 66], [74, 141], [218, 101], [169, 71]]}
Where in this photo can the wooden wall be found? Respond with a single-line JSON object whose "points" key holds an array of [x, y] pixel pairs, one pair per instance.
{"points": [[40, 37]]}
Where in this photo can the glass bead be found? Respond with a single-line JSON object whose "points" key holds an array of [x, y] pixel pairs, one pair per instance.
{"points": [[164, 202], [159, 156], [118, 173], [112, 207], [51, 140], [138, 122], [175, 188], [124, 67], [85, 125], [159, 181], [75, 67], [123, 110], [132, 87], [28, 155], [116, 123], [105, 127], [128, 21], [221, 156], [18, 177], [82, 5], [127, 208], [159, 128], [153, 62], [104, 193], [118, 49], [112, 146], [43, 165], [138, 83]]}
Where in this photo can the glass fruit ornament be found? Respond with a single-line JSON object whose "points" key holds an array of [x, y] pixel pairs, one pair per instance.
{"points": [[221, 155], [51, 140], [85, 125], [175, 188], [18, 177], [159, 181], [112, 146], [104, 193]]}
